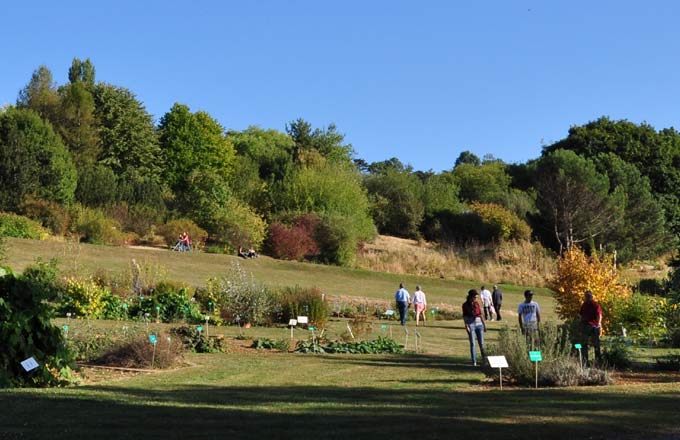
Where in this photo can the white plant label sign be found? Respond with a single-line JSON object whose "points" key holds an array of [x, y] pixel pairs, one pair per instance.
{"points": [[29, 364]]}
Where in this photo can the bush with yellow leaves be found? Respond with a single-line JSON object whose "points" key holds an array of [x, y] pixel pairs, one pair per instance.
{"points": [[578, 272]]}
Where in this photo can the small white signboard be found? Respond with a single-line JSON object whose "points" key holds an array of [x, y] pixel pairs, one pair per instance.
{"points": [[302, 320], [292, 322], [29, 364], [389, 312], [498, 362]]}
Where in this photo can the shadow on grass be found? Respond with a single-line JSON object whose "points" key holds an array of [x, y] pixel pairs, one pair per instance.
{"points": [[195, 411]]}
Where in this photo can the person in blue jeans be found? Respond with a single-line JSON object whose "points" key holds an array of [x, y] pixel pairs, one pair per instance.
{"points": [[403, 299], [474, 324]]}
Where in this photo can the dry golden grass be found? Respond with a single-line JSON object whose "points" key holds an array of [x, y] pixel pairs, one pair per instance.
{"points": [[521, 263]]}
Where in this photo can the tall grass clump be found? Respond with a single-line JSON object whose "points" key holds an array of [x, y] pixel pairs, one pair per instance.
{"points": [[513, 262], [297, 301], [559, 366]]}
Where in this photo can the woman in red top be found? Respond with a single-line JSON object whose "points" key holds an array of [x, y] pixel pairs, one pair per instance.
{"points": [[474, 324]]}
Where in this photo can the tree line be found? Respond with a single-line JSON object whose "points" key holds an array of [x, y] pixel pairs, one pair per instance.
{"points": [[87, 155]]}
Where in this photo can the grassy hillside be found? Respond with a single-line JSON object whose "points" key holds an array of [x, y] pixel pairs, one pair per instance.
{"points": [[196, 268]]}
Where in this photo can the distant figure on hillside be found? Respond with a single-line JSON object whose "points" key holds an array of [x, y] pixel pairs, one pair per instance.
{"points": [[251, 253], [241, 253], [403, 299], [474, 324], [529, 316], [497, 298], [419, 304], [183, 243], [487, 302], [591, 324]]}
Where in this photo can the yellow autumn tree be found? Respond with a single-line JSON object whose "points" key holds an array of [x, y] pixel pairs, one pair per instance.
{"points": [[576, 273]]}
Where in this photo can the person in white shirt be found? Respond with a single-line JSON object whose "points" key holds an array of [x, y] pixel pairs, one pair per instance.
{"points": [[419, 304], [487, 303], [529, 315]]}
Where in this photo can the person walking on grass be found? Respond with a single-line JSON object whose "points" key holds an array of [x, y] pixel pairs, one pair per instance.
{"points": [[419, 304], [529, 316], [487, 302], [403, 299], [591, 324], [497, 298], [474, 324]]}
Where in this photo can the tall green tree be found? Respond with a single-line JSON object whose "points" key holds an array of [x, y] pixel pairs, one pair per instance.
{"points": [[641, 231], [396, 202], [193, 141], [655, 154], [128, 138], [33, 160], [574, 199], [327, 142], [486, 183], [41, 95]]}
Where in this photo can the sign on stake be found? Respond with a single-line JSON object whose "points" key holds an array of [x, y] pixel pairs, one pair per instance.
{"points": [[499, 362], [535, 357], [580, 360]]}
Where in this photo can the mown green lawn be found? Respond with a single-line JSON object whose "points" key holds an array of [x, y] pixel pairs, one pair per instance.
{"points": [[280, 395]]}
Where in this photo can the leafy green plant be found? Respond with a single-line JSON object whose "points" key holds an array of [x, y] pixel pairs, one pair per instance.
{"points": [[26, 331], [271, 344], [196, 341], [381, 345]]}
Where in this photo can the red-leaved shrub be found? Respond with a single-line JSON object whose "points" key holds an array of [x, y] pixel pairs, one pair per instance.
{"points": [[294, 242]]}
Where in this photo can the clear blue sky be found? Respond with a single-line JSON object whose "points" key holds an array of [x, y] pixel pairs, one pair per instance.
{"points": [[421, 81]]}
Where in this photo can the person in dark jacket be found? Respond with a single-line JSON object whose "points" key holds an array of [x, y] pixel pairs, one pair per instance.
{"points": [[497, 298]]}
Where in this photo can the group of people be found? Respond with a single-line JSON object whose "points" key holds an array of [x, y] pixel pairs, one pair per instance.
{"points": [[529, 318], [528, 315], [183, 243], [250, 253], [403, 299]]}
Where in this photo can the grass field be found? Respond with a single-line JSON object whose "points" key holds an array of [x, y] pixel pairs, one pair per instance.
{"points": [[196, 268], [253, 394]]}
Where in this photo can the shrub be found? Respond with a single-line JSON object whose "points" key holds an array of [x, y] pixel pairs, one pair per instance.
{"points": [[294, 242], [297, 301], [643, 316], [503, 224], [651, 286], [337, 240], [83, 297], [559, 367], [138, 219], [93, 226], [26, 331], [239, 298], [237, 225], [172, 229], [51, 215], [616, 353], [139, 353], [17, 226], [42, 278], [577, 273], [196, 341]]}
